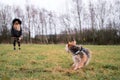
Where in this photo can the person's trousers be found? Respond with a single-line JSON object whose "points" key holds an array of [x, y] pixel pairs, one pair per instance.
{"points": [[16, 40]]}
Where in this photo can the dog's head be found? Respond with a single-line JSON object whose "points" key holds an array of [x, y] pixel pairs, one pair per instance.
{"points": [[69, 45]]}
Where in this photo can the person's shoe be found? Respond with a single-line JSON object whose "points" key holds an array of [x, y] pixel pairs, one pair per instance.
{"points": [[14, 48], [19, 48]]}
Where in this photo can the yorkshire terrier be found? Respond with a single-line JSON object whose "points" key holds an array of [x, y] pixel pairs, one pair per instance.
{"points": [[80, 55]]}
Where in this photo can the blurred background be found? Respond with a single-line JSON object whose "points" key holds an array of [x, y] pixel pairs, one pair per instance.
{"points": [[59, 21]]}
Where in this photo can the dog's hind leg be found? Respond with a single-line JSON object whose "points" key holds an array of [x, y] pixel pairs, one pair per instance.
{"points": [[88, 59], [88, 53], [83, 60]]}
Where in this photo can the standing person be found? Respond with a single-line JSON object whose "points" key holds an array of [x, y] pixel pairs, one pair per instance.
{"points": [[16, 32]]}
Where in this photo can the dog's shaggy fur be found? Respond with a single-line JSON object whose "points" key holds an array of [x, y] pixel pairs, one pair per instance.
{"points": [[80, 55]]}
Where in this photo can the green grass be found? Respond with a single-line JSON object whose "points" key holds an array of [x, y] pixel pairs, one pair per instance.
{"points": [[52, 62]]}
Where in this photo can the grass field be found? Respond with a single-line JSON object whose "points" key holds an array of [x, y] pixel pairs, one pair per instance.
{"points": [[52, 62]]}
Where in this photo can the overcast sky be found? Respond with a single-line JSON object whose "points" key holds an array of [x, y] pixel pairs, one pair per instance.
{"points": [[59, 6], [54, 5]]}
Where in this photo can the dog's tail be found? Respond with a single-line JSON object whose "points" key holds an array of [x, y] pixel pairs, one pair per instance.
{"points": [[88, 53]]}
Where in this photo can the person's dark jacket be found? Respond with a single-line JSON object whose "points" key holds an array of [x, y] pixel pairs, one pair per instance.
{"points": [[15, 33]]}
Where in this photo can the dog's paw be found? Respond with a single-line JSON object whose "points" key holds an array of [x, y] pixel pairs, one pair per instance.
{"points": [[76, 68], [80, 66]]}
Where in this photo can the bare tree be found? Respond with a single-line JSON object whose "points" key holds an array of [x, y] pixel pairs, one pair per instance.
{"points": [[5, 19], [28, 18], [92, 19], [43, 21], [78, 7], [65, 21], [101, 13]]}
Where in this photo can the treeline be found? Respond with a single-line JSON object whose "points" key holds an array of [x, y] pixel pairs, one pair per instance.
{"points": [[92, 23]]}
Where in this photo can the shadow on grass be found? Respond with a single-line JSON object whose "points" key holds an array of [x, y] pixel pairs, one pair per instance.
{"points": [[24, 70], [111, 67], [59, 69]]}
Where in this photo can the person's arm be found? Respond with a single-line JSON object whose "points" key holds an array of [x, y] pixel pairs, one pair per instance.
{"points": [[12, 33], [20, 34]]}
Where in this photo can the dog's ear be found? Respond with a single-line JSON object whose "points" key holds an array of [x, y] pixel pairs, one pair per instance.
{"points": [[74, 42], [69, 42]]}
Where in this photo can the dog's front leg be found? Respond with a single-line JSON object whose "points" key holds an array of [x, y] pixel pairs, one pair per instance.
{"points": [[77, 60], [73, 65], [76, 66]]}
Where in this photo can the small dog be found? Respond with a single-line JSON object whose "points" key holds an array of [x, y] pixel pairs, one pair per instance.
{"points": [[80, 55]]}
